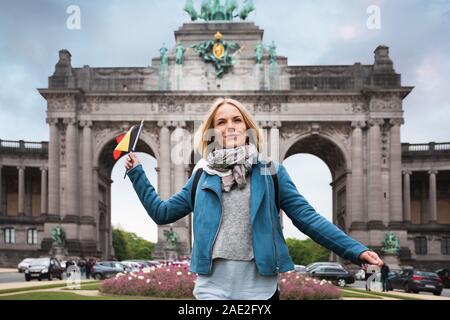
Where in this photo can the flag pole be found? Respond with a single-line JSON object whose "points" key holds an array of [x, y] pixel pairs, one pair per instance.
{"points": [[135, 143]]}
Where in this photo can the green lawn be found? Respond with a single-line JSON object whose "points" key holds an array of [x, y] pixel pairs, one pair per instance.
{"points": [[90, 286], [46, 295], [352, 294], [94, 285], [47, 286], [382, 294]]}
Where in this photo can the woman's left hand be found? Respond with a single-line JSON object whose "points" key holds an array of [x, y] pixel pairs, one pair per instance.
{"points": [[371, 258]]}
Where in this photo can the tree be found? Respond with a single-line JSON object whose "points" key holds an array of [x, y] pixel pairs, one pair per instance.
{"points": [[121, 249], [306, 251], [128, 245]]}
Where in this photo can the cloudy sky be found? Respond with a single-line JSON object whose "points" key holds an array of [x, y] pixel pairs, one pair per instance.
{"points": [[118, 33]]}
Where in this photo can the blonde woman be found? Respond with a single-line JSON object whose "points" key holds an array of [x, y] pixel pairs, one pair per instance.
{"points": [[239, 249]]}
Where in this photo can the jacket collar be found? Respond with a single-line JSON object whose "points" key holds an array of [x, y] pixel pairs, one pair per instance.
{"points": [[258, 187]]}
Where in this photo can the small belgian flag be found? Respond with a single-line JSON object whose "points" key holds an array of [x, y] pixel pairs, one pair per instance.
{"points": [[127, 142]]}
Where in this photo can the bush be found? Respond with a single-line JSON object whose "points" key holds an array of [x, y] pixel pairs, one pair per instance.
{"points": [[165, 282], [295, 287]]}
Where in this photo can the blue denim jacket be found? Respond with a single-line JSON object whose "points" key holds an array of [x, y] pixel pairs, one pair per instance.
{"points": [[269, 246]]}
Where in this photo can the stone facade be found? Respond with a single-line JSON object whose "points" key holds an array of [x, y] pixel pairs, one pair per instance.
{"points": [[349, 116]]}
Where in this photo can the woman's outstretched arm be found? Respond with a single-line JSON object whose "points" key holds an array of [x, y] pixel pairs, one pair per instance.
{"points": [[161, 211], [311, 223]]}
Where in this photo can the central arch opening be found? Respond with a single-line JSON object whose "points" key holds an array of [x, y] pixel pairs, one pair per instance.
{"points": [[317, 167], [312, 177]]}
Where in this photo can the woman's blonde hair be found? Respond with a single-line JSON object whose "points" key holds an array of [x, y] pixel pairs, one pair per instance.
{"points": [[253, 131]]}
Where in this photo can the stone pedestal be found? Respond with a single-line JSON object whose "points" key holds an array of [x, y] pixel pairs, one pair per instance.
{"points": [[392, 261], [58, 252], [171, 254]]}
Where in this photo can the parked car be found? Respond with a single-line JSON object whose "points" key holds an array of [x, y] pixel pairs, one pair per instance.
{"points": [[314, 265], [360, 274], [300, 269], [415, 281], [44, 268], [24, 264], [154, 263], [131, 266], [339, 276], [106, 269], [140, 263], [444, 274]]}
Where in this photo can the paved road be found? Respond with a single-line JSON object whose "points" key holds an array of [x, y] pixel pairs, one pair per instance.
{"points": [[362, 284]]}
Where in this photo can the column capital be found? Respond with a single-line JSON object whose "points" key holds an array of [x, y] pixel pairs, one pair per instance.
{"points": [[52, 121], [43, 168], [375, 122], [263, 124], [71, 121], [178, 124], [274, 124], [164, 123], [358, 124], [396, 121], [433, 171], [407, 171], [20, 167], [86, 123]]}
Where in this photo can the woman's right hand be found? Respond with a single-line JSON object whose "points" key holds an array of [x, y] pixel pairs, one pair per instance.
{"points": [[131, 161]]}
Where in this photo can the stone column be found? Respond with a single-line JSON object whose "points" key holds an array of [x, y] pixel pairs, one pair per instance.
{"points": [[275, 141], [96, 207], [406, 196], [21, 191], [177, 155], [424, 203], [87, 173], [72, 170], [264, 153], [2, 212], [178, 150], [43, 190], [432, 196], [374, 172], [53, 168], [357, 186], [395, 172], [187, 172], [164, 161]]}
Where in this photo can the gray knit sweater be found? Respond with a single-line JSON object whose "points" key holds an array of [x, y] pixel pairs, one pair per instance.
{"points": [[234, 240]]}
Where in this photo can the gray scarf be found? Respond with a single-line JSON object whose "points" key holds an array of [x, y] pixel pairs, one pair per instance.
{"points": [[232, 165]]}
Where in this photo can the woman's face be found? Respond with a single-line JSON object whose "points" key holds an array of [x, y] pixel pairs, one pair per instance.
{"points": [[229, 126]]}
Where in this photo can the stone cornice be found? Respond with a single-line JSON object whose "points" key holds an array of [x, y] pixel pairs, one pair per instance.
{"points": [[179, 101], [401, 92], [58, 94]]}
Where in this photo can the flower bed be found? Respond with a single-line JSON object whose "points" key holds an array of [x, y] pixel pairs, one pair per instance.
{"points": [[178, 283], [166, 282], [295, 287]]}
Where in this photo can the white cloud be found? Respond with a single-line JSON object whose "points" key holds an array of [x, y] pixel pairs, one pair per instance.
{"points": [[349, 32]]}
